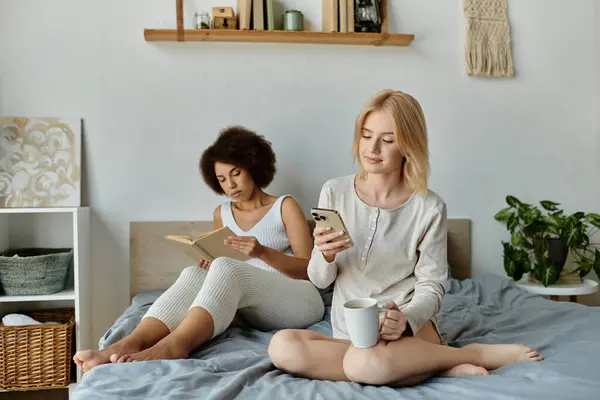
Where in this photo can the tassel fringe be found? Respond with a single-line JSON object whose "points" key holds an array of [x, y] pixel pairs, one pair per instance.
{"points": [[488, 47]]}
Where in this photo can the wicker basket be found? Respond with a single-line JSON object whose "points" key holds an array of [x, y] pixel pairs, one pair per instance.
{"points": [[35, 271], [37, 357]]}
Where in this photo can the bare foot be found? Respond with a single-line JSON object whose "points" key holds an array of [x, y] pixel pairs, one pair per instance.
{"points": [[492, 356], [465, 370], [166, 349], [88, 359]]}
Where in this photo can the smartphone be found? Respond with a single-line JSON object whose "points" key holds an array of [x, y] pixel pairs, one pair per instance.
{"points": [[332, 218]]}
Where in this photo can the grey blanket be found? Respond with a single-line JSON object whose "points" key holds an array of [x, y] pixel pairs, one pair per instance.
{"points": [[487, 309]]}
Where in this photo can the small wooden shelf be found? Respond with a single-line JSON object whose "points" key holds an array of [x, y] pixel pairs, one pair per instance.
{"points": [[252, 36], [226, 35]]}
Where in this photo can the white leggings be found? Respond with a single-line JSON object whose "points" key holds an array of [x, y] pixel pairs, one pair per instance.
{"points": [[266, 300]]}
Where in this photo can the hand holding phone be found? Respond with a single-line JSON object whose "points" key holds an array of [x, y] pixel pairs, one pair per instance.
{"points": [[331, 235]]}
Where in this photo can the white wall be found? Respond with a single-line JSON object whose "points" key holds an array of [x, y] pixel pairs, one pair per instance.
{"points": [[150, 108], [597, 107]]}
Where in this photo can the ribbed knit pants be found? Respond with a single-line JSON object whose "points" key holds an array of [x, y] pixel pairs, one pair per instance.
{"points": [[266, 300]]}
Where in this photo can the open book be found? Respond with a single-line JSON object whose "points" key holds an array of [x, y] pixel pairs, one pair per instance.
{"points": [[210, 245]]}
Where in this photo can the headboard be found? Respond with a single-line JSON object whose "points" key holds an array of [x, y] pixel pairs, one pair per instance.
{"points": [[155, 263]]}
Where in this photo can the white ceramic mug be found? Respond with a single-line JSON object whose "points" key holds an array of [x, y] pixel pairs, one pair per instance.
{"points": [[362, 321]]}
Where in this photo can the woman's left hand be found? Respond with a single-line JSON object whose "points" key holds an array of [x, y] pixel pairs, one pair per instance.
{"points": [[248, 245], [394, 324]]}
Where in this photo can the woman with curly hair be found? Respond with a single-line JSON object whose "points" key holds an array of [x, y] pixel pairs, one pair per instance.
{"points": [[271, 290]]}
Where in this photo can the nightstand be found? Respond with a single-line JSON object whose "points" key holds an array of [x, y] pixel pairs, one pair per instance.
{"points": [[587, 286]]}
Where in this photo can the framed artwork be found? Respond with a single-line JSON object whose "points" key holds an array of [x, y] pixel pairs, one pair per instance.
{"points": [[40, 162]]}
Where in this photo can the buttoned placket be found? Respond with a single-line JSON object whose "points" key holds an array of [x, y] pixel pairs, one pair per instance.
{"points": [[369, 242]]}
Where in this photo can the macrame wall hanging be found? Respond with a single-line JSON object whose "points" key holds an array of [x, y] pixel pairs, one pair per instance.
{"points": [[488, 45]]}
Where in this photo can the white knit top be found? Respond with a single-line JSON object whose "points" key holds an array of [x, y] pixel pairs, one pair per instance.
{"points": [[269, 231], [398, 254]]}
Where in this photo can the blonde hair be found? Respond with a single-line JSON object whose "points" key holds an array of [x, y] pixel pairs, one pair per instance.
{"points": [[411, 135]]}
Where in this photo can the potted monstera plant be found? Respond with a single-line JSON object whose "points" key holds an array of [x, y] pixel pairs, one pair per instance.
{"points": [[541, 240]]}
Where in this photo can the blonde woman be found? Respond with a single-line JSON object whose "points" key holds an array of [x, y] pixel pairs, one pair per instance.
{"points": [[399, 230]]}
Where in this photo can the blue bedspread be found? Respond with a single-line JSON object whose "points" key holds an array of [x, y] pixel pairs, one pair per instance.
{"points": [[487, 309]]}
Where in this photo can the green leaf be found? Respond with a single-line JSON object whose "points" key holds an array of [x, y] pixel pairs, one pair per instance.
{"points": [[526, 243], [577, 216], [513, 222], [524, 207], [516, 239], [516, 262], [585, 266], [524, 260], [574, 236], [553, 224], [593, 219], [549, 205], [528, 215], [552, 220], [513, 269], [503, 214], [596, 264], [512, 201], [547, 273]]}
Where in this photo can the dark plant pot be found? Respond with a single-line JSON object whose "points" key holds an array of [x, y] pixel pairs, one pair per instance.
{"points": [[557, 251]]}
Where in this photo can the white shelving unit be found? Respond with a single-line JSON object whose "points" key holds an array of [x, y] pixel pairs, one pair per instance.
{"points": [[54, 227]]}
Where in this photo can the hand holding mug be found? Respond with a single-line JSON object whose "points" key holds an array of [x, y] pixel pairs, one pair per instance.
{"points": [[326, 243], [394, 324]]}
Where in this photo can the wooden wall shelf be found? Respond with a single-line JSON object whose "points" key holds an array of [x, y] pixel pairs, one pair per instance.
{"points": [[255, 36], [225, 35]]}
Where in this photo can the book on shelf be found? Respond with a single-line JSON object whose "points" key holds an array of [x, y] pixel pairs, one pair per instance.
{"points": [[244, 10], [350, 15], [269, 15], [258, 15], [330, 16], [343, 8]]}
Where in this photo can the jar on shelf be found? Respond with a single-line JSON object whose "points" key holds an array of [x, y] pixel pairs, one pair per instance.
{"points": [[201, 20], [293, 20]]}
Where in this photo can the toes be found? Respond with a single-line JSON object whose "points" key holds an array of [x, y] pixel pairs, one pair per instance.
{"points": [[534, 355], [114, 357], [85, 366], [82, 355]]}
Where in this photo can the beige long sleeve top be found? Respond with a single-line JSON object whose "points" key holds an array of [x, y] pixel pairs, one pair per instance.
{"points": [[398, 254]]}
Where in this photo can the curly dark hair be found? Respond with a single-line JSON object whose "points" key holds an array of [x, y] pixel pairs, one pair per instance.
{"points": [[243, 148]]}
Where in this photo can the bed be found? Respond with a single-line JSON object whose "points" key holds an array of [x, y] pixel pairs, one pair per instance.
{"points": [[485, 309]]}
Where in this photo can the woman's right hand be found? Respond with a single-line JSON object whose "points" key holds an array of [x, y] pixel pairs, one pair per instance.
{"points": [[203, 264], [326, 243]]}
